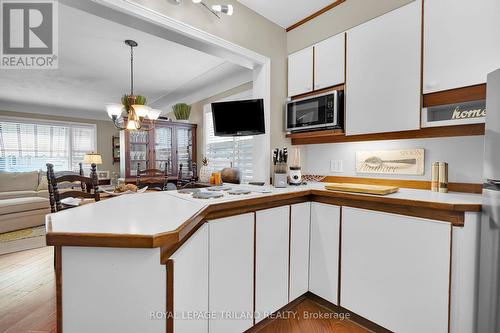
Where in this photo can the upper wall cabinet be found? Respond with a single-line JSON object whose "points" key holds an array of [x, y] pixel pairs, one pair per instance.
{"points": [[383, 73], [461, 42], [329, 62], [300, 72]]}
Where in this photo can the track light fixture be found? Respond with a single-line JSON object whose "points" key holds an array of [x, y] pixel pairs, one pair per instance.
{"points": [[217, 9]]}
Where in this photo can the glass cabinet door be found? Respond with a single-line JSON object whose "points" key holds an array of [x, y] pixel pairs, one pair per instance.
{"points": [[163, 148], [185, 151], [139, 152]]}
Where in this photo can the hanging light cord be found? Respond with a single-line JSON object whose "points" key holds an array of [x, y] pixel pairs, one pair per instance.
{"points": [[131, 70]]}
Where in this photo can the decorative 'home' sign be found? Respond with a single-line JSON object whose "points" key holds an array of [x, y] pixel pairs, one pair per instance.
{"points": [[391, 162], [454, 112]]}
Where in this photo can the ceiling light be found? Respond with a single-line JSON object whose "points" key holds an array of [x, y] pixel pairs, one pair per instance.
{"points": [[134, 105], [154, 114], [217, 9], [225, 9]]}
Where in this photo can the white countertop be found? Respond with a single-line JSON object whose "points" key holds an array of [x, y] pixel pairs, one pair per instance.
{"points": [[158, 212]]}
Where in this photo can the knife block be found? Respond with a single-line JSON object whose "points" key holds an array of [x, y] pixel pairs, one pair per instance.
{"points": [[280, 180]]}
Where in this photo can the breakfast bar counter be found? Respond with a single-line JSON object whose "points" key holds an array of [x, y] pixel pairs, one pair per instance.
{"points": [[158, 219], [148, 262]]}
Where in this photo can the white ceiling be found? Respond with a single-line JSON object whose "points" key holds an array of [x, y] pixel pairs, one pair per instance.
{"points": [[94, 69], [286, 12]]}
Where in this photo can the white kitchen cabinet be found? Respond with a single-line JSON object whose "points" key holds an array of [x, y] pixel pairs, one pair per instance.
{"points": [[324, 253], [231, 274], [395, 270], [459, 54], [190, 282], [329, 62], [271, 260], [300, 72], [383, 73], [300, 224]]}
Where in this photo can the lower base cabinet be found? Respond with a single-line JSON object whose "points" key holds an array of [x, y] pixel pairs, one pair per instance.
{"points": [[300, 225], [324, 251], [231, 273], [395, 270], [189, 269], [271, 260]]}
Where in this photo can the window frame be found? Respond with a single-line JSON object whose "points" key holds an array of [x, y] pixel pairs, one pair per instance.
{"points": [[49, 122]]}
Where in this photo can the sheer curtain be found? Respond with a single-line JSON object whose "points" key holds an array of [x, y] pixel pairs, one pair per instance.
{"points": [[28, 144]]}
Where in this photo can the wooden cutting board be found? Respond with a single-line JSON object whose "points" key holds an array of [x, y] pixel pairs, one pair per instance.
{"points": [[362, 188]]}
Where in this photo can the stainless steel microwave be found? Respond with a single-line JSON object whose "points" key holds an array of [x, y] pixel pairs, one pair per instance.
{"points": [[313, 113]]}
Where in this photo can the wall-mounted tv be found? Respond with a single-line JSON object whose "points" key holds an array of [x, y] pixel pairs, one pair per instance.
{"points": [[239, 118]]}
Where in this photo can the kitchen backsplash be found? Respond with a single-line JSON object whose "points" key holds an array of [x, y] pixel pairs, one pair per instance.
{"points": [[464, 155]]}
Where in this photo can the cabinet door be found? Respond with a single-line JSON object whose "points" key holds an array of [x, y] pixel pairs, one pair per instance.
{"points": [[324, 256], [231, 260], [190, 283], [163, 148], [139, 151], [396, 270], [300, 223], [456, 54], [271, 260], [383, 73], [329, 62], [300, 72], [184, 141]]}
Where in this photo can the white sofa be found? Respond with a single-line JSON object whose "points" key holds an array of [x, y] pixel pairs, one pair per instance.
{"points": [[23, 200]]}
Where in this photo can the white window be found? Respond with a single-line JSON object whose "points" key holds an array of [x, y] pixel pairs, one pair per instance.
{"points": [[28, 144], [222, 151]]}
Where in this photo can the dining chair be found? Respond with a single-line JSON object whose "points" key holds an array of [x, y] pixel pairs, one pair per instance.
{"points": [[88, 186], [155, 179]]}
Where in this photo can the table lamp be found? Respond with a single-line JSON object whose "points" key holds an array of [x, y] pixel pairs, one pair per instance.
{"points": [[90, 158]]}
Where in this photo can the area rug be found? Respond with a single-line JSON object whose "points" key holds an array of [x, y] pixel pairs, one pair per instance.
{"points": [[24, 239]]}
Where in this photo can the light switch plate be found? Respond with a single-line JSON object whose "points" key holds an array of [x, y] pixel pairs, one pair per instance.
{"points": [[336, 166]]}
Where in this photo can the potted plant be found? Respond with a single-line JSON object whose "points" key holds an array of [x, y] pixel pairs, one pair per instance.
{"points": [[182, 111], [204, 171], [139, 100]]}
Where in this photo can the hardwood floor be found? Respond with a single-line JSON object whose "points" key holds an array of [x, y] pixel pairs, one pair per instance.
{"points": [[309, 317], [28, 301], [28, 292]]}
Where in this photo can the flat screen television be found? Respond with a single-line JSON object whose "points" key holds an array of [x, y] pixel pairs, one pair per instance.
{"points": [[239, 118]]}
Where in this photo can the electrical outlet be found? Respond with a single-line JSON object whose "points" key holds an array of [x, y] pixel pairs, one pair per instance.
{"points": [[336, 166]]}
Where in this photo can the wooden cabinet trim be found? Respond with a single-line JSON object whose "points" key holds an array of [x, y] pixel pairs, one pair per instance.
{"points": [[459, 95], [430, 132], [314, 15]]}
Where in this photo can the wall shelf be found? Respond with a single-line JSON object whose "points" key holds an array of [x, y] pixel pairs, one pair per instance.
{"points": [[338, 136]]}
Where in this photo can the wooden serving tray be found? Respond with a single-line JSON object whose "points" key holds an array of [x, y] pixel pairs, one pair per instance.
{"points": [[362, 188]]}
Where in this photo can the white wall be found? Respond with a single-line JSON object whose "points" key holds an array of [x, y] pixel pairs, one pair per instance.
{"points": [[464, 155]]}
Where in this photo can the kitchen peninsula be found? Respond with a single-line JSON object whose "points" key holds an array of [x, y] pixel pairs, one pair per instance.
{"points": [[148, 262]]}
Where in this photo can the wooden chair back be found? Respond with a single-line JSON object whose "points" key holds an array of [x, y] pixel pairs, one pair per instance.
{"points": [[88, 185], [152, 177]]}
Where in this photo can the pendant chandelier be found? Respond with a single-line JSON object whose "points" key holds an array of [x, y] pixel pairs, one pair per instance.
{"points": [[132, 111]]}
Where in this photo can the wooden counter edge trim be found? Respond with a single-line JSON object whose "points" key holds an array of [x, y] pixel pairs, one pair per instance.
{"points": [[168, 241], [423, 133], [405, 183], [170, 295], [395, 201], [314, 15], [455, 218], [58, 272], [99, 240]]}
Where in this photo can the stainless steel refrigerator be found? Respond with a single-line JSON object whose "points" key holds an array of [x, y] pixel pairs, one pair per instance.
{"points": [[488, 309]]}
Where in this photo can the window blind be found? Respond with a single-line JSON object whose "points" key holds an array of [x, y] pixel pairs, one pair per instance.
{"points": [[28, 145], [221, 151]]}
